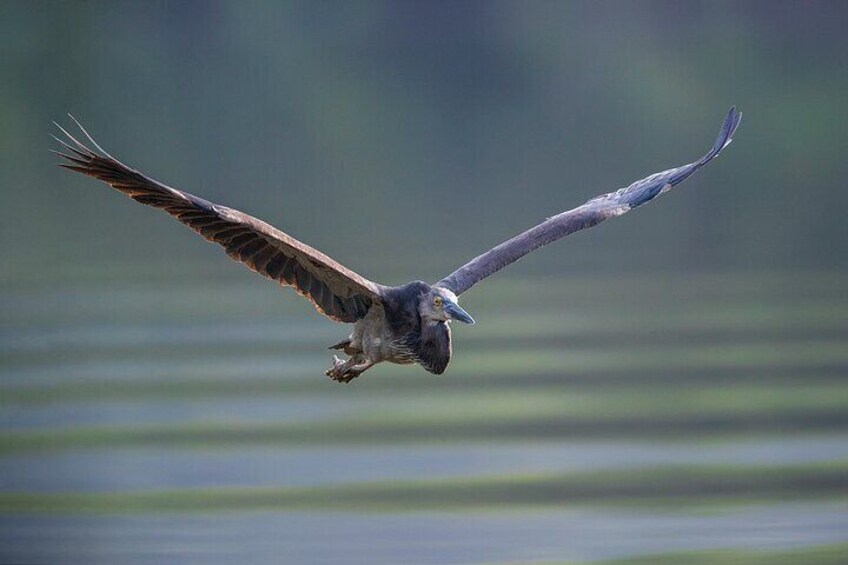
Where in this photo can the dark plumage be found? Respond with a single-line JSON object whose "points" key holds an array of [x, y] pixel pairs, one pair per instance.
{"points": [[405, 324], [427, 344]]}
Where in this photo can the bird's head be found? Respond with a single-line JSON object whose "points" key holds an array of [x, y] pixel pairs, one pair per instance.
{"points": [[440, 305]]}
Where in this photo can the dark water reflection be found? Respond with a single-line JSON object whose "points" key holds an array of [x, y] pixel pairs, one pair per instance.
{"points": [[150, 468], [420, 538]]}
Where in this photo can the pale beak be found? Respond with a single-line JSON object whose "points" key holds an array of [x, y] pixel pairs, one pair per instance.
{"points": [[457, 313]]}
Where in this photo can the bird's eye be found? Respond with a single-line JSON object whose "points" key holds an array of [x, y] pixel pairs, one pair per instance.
{"points": [[437, 302]]}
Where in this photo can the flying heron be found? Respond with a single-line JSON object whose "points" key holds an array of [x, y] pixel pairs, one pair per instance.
{"points": [[401, 324]]}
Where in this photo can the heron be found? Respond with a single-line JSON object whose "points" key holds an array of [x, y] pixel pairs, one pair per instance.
{"points": [[408, 324]]}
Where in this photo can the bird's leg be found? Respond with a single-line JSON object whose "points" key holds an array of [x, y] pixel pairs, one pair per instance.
{"points": [[346, 371], [339, 367]]}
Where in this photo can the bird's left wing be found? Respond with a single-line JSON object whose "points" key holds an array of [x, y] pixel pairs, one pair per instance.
{"points": [[334, 290], [589, 214]]}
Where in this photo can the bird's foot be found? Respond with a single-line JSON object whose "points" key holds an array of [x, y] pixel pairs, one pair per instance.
{"points": [[346, 371], [338, 370]]}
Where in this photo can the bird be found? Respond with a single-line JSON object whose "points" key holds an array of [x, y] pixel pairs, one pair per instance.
{"points": [[407, 324]]}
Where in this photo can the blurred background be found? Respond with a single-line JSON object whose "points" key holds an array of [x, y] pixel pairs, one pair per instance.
{"points": [[667, 387]]}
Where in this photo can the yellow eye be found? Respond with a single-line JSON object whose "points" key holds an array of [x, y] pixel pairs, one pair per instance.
{"points": [[437, 302]]}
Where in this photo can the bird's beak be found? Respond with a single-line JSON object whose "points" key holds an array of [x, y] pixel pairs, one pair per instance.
{"points": [[457, 313]]}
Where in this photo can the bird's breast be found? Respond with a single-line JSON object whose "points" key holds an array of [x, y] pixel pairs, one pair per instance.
{"points": [[434, 347]]}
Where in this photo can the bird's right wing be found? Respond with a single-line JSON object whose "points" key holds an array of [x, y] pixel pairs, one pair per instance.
{"points": [[334, 290], [589, 214]]}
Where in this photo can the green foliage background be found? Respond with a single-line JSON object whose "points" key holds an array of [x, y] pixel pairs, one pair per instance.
{"points": [[404, 136]]}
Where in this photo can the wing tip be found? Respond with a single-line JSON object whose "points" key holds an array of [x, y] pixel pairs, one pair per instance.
{"points": [[83, 153], [725, 135], [88, 136], [87, 157]]}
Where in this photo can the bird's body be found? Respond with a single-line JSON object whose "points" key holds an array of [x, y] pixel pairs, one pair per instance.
{"points": [[395, 330], [403, 324]]}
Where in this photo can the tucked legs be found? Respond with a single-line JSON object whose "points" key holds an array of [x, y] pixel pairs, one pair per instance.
{"points": [[346, 371]]}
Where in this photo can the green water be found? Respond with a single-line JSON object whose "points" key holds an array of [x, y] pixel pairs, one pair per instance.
{"points": [[713, 404]]}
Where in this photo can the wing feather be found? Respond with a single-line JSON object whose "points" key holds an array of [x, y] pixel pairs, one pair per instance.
{"points": [[334, 290], [589, 214]]}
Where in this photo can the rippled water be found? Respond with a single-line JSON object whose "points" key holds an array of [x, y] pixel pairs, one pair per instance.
{"points": [[329, 537], [203, 408]]}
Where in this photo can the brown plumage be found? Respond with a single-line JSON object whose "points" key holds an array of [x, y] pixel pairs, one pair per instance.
{"points": [[334, 290]]}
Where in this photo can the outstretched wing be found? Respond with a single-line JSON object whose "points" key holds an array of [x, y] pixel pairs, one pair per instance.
{"points": [[334, 290], [589, 214]]}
